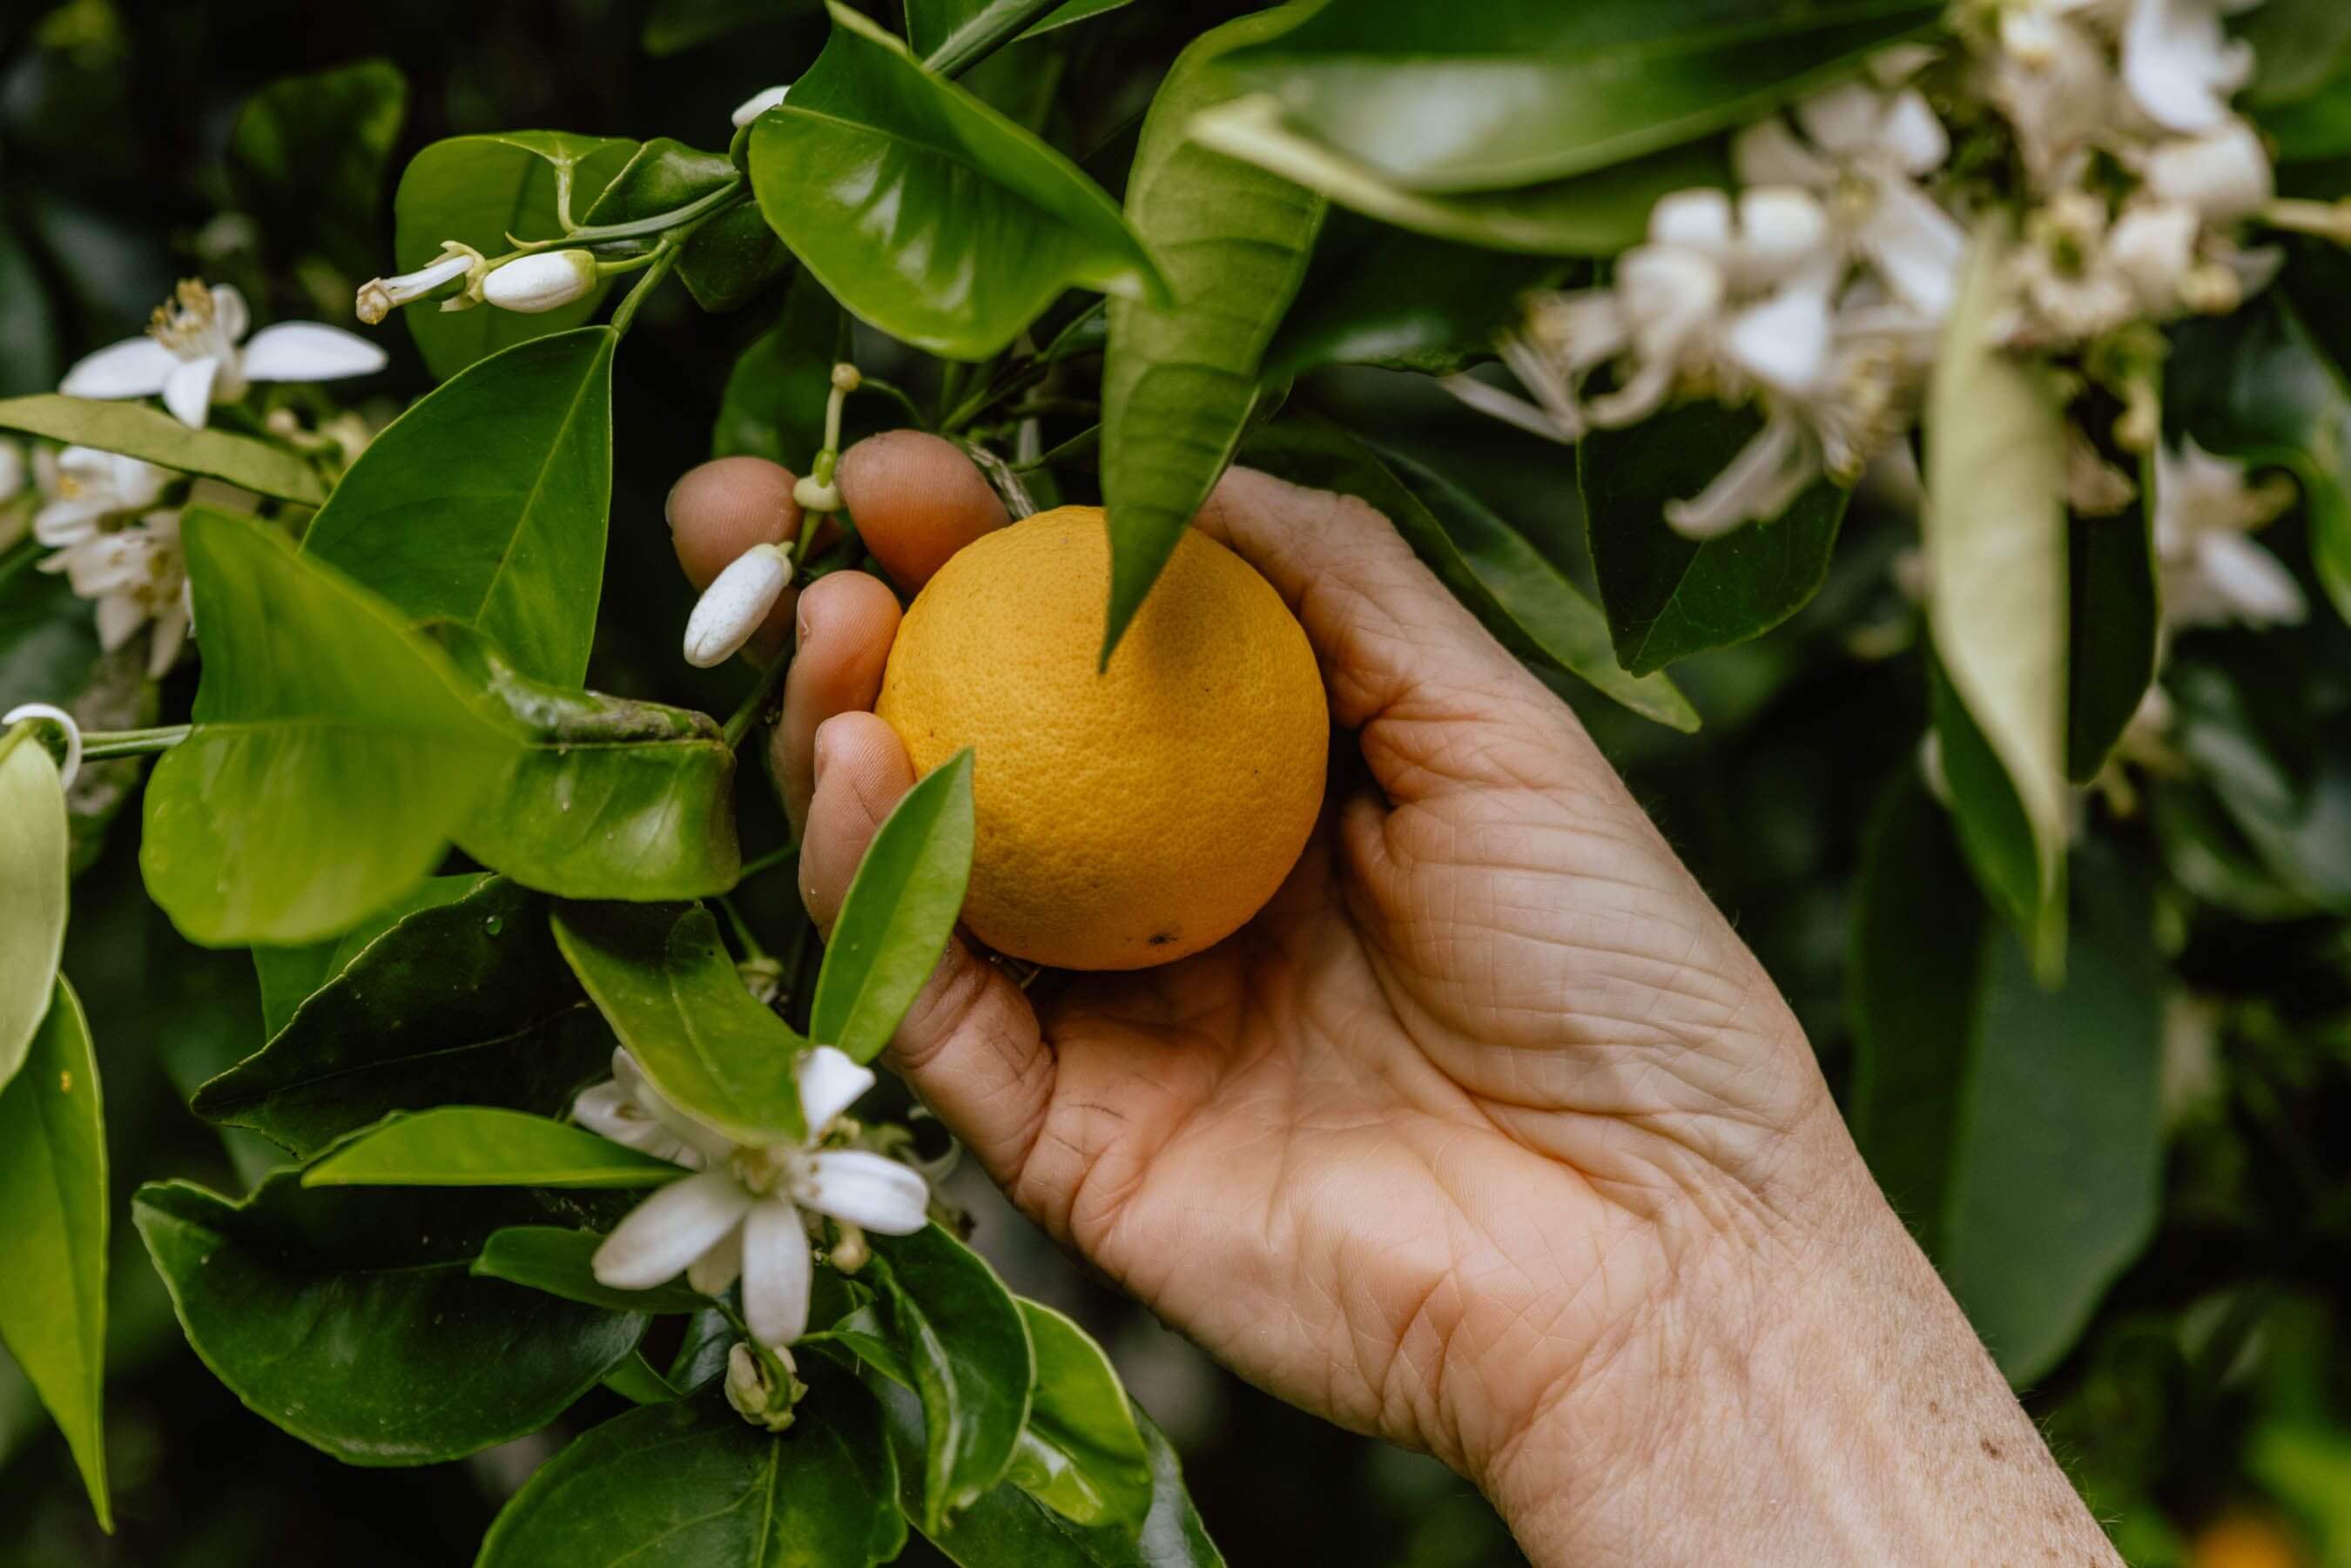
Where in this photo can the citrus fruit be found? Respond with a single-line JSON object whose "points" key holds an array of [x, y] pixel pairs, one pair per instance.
{"points": [[1130, 816]]}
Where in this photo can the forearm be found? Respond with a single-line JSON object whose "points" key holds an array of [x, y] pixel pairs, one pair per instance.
{"points": [[1831, 1407]]}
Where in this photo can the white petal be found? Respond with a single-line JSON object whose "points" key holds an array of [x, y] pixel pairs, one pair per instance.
{"points": [[1697, 220], [230, 317], [1912, 136], [136, 367], [1782, 229], [1844, 120], [172, 625], [120, 616], [1916, 245], [734, 605], [2255, 583], [2225, 176], [757, 104], [2154, 245], [188, 390], [670, 1229], [777, 1270], [2179, 64], [717, 1269], [1769, 153], [1747, 483], [308, 352], [865, 1189], [1669, 295], [1782, 343], [829, 1082]]}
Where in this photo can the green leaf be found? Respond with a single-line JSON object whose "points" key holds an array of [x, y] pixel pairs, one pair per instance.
{"points": [[660, 176], [561, 1263], [663, 980], [967, 1347], [609, 798], [924, 211], [692, 1485], [1181, 377], [1386, 297], [774, 403], [290, 976], [948, 35], [1081, 1454], [899, 913], [479, 1145], [1597, 214], [1669, 597], [1988, 813], [1517, 595], [2019, 1129], [1481, 96], [349, 1317], [33, 848], [730, 256], [308, 156], [53, 1223], [636, 1381], [29, 351], [334, 753], [673, 26], [137, 431], [2301, 93], [2115, 627], [485, 502], [2256, 387], [1071, 13], [1995, 537], [477, 190], [467, 1001], [2293, 818], [729, 259]]}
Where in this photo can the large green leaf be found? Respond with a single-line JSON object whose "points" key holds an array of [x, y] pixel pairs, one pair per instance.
{"points": [[2019, 1129], [1517, 595], [924, 211], [2256, 386], [948, 35], [1512, 92], [1180, 377], [1995, 536], [137, 431], [967, 1347], [334, 753], [899, 913], [1669, 597], [1596, 213], [288, 976], [562, 1263], [480, 1145], [692, 1485], [2115, 627], [34, 847], [664, 981], [485, 502], [477, 190], [1082, 1454], [2301, 93], [349, 1318], [2294, 814], [1386, 297], [466, 1002], [309, 155], [773, 406], [53, 1223], [609, 799]]}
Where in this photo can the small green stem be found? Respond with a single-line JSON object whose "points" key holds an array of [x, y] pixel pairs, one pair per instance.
{"points": [[898, 395], [768, 862], [1077, 446], [752, 947], [102, 744], [693, 212], [747, 714]]}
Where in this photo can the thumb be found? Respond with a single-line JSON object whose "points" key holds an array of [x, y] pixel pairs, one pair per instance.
{"points": [[970, 1044]]}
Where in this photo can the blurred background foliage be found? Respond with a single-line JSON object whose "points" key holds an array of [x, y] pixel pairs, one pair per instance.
{"points": [[2141, 1186]]}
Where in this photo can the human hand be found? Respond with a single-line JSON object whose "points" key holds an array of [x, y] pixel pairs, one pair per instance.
{"points": [[1481, 1136]]}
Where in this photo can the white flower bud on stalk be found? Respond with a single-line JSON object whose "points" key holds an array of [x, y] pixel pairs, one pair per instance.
{"points": [[548, 280], [379, 296], [735, 603]]}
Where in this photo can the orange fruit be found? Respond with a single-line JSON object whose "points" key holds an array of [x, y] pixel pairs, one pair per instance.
{"points": [[1124, 817]]}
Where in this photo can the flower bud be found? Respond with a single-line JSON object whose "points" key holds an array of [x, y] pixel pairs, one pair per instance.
{"points": [[751, 1390], [735, 604], [547, 280], [379, 296], [850, 1251], [815, 495], [757, 104]]}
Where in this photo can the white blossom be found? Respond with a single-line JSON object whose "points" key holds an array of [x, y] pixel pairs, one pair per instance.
{"points": [[2179, 63], [379, 296], [740, 1216], [85, 491], [737, 599], [2211, 572], [543, 280], [190, 354]]}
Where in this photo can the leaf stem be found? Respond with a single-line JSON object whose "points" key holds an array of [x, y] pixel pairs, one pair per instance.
{"points": [[664, 257], [693, 212], [897, 394], [747, 714], [768, 862], [99, 744]]}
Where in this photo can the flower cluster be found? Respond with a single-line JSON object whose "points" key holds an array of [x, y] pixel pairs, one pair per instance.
{"points": [[1819, 291], [748, 1211]]}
